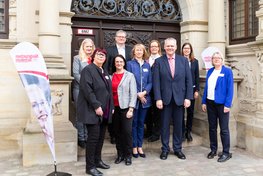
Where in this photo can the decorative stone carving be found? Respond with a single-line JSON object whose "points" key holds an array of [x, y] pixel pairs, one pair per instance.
{"points": [[260, 63], [260, 106], [12, 3], [232, 63], [57, 97], [248, 106], [248, 85], [133, 9]]}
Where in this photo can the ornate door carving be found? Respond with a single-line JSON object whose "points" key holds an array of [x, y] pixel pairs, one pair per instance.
{"points": [[143, 20]]}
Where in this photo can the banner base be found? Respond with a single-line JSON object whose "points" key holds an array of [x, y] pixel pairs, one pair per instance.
{"points": [[59, 174]]}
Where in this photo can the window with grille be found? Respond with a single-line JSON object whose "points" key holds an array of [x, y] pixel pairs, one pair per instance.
{"points": [[4, 18], [243, 21]]}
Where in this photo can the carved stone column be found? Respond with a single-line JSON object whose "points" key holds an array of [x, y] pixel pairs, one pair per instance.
{"points": [[259, 15], [216, 25], [250, 124], [35, 149]]}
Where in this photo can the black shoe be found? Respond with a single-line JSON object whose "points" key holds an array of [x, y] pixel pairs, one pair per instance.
{"points": [[183, 138], [102, 165], [136, 155], [94, 172], [128, 161], [189, 136], [153, 138], [220, 154], [82, 144], [211, 155], [180, 155], [142, 155], [224, 157], [112, 140], [118, 160], [164, 155]]}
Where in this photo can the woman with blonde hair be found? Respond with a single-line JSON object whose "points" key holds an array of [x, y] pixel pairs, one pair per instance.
{"points": [[143, 76], [80, 61]]}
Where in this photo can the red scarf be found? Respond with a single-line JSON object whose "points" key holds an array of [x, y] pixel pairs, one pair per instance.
{"points": [[89, 60]]}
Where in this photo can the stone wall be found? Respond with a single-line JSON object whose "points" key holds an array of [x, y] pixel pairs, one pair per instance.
{"points": [[20, 133]]}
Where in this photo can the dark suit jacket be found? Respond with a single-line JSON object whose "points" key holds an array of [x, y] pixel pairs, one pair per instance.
{"points": [[93, 93], [195, 75], [165, 87], [112, 52]]}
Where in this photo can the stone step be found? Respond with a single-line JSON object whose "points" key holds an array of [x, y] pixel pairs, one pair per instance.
{"points": [[109, 148]]}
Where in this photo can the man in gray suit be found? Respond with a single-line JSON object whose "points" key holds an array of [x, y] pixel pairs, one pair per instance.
{"points": [[173, 90]]}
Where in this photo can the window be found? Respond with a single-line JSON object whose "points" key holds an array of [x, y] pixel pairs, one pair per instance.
{"points": [[243, 21], [4, 25]]}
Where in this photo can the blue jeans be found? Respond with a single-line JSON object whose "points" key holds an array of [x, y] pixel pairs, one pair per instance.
{"points": [[138, 126]]}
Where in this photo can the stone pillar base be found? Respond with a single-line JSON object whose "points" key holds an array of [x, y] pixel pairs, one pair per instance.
{"points": [[250, 134], [36, 150]]}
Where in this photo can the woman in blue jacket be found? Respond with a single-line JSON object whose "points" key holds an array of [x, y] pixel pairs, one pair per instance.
{"points": [[217, 100], [142, 72]]}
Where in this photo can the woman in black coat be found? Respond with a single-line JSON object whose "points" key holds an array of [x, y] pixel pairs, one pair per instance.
{"points": [[95, 107]]}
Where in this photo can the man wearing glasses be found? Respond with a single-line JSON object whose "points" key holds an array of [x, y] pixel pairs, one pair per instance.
{"points": [[118, 48]]}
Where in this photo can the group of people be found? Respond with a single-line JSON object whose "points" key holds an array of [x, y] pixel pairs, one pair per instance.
{"points": [[122, 86]]}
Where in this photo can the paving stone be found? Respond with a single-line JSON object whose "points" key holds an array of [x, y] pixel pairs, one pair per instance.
{"points": [[242, 164]]}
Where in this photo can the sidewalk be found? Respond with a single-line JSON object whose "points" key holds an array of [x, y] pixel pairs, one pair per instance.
{"points": [[196, 164]]}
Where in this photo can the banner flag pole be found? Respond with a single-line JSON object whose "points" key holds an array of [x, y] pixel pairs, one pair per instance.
{"points": [[32, 71]]}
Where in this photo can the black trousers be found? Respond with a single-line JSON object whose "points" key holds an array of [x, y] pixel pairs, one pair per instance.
{"points": [[94, 143], [216, 114], [189, 117], [111, 130], [174, 112], [153, 121], [123, 132]]}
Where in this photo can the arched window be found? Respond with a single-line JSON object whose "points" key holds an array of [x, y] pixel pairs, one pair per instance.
{"points": [[4, 24], [243, 23]]}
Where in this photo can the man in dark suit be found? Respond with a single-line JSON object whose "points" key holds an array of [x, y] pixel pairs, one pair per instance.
{"points": [[172, 84], [118, 48], [112, 52]]}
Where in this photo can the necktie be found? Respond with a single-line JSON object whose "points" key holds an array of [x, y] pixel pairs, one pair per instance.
{"points": [[171, 64]]}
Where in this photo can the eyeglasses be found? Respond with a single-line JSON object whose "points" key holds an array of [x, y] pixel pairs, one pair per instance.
{"points": [[216, 58], [121, 36], [119, 61], [154, 46], [187, 48], [101, 54]]}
